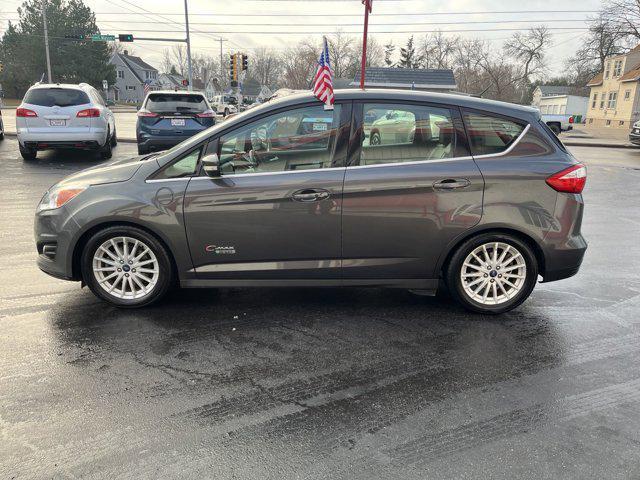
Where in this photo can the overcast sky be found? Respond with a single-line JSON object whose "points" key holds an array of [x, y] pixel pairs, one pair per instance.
{"points": [[211, 19]]}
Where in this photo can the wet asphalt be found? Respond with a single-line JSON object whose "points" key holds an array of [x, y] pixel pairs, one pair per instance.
{"points": [[322, 383]]}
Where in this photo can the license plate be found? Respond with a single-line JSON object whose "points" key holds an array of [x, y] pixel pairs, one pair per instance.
{"points": [[58, 123], [177, 122]]}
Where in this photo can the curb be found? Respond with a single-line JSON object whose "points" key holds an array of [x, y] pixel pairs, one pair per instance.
{"points": [[570, 143], [567, 143]]}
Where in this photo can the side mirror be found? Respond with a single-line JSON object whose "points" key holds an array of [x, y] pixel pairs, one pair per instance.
{"points": [[211, 165]]}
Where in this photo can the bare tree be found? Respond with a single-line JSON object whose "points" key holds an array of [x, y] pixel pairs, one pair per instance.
{"points": [[528, 51], [341, 51], [179, 54], [467, 65], [437, 50], [375, 57], [265, 66], [166, 63], [605, 38], [298, 64], [623, 16]]}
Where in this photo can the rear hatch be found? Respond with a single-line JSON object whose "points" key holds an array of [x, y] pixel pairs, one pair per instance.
{"points": [[57, 110], [175, 114]]}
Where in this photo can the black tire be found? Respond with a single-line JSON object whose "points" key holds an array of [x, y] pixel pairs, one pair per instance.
{"points": [[166, 273], [453, 273], [28, 154], [375, 139], [142, 150], [555, 128], [226, 112], [106, 152], [114, 138]]}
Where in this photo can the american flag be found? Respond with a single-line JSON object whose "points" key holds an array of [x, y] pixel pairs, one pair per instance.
{"points": [[323, 82], [146, 88]]}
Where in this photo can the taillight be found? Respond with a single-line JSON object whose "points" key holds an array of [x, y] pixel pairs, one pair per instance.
{"points": [[206, 114], [570, 119], [88, 112], [25, 112], [569, 180], [146, 113]]}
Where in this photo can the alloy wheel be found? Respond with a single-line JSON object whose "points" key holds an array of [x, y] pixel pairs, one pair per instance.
{"points": [[126, 268], [493, 273]]}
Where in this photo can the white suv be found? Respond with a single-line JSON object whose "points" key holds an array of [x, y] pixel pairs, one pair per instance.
{"points": [[53, 116]]}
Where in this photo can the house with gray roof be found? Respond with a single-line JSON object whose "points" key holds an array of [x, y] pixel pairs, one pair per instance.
{"points": [[548, 91], [435, 80], [131, 74]]}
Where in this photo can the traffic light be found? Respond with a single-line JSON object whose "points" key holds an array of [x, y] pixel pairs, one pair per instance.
{"points": [[233, 67], [245, 62], [125, 37], [1, 67]]}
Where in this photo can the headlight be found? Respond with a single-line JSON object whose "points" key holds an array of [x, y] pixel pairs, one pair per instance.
{"points": [[57, 196]]}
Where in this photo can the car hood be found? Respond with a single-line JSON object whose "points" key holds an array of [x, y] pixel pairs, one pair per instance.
{"points": [[112, 172]]}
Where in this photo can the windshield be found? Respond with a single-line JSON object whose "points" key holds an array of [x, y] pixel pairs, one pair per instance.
{"points": [[175, 102], [60, 97]]}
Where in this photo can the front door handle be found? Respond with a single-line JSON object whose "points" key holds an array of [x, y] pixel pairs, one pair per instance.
{"points": [[310, 195], [451, 183]]}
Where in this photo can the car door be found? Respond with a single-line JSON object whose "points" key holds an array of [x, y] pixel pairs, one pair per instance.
{"points": [[403, 202], [275, 211]]}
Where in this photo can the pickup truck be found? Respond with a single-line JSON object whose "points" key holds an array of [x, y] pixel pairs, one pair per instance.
{"points": [[558, 123]]}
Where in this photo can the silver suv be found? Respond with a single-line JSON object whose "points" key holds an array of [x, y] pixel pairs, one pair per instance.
{"points": [[55, 116]]}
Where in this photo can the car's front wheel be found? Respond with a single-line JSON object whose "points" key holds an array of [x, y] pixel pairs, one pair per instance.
{"points": [[492, 273], [126, 266]]}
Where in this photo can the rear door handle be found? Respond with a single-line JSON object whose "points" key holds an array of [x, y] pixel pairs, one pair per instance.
{"points": [[451, 183], [310, 195]]}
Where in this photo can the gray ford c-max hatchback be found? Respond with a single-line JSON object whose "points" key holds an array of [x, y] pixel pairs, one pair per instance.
{"points": [[391, 188]]}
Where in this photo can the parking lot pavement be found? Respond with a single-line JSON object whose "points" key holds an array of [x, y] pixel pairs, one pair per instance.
{"points": [[324, 383]]}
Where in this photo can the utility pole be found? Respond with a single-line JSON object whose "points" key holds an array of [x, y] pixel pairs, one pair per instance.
{"points": [[46, 38], [186, 21]]}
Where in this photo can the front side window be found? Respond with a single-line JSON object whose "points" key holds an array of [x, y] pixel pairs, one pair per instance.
{"points": [[297, 139], [184, 167], [397, 133], [490, 135]]}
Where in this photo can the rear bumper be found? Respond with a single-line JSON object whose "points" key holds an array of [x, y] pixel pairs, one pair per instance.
{"points": [[46, 145], [565, 263], [91, 137], [152, 142]]}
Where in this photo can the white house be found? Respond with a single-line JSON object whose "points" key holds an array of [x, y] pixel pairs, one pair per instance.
{"points": [[131, 75], [564, 105]]}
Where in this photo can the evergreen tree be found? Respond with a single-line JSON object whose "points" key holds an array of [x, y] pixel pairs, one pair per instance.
{"points": [[72, 61], [389, 48], [408, 56]]}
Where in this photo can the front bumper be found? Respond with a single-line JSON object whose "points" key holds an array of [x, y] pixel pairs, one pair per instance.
{"points": [[54, 233], [634, 138]]}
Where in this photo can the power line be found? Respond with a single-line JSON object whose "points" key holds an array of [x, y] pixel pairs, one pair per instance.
{"points": [[333, 15], [253, 32]]}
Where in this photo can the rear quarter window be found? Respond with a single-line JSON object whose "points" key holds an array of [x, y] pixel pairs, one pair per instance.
{"points": [[490, 134], [172, 102], [61, 97]]}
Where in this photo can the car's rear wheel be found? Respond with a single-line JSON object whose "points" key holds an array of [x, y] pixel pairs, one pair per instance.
{"points": [[126, 266], [492, 273], [555, 128], [142, 150], [375, 139], [28, 154], [106, 151], [114, 138]]}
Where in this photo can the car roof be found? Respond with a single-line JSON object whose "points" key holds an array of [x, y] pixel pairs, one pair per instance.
{"points": [[173, 92], [72, 86], [383, 94]]}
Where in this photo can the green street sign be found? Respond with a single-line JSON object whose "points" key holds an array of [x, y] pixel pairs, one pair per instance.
{"points": [[102, 38]]}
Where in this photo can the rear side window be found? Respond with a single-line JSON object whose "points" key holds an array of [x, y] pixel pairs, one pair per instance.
{"points": [[554, 138], [60, 97], [490, 135], [175, 102], [397, 133]]}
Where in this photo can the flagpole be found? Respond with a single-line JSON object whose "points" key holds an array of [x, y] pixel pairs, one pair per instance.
{"points": [[367, 9]]}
